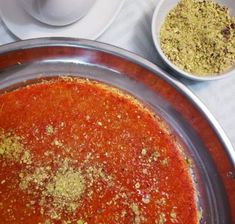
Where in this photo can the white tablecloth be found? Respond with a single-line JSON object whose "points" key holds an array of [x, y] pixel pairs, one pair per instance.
{"points": [[131, 30]]}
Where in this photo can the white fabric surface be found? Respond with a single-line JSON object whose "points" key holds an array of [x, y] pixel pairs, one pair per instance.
{"points": [[131, 30]]}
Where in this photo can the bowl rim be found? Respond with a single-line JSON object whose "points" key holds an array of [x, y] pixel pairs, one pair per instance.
{"points": [[171, 65], [132, 57]]}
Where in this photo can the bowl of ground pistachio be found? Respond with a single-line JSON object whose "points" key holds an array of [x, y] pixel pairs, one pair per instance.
{"points": [[196, 38]]}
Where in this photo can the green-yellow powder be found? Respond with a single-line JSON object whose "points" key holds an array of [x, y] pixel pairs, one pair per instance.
{"points": [[66, 186], [12, 149], [199, 37], [10, 146]]}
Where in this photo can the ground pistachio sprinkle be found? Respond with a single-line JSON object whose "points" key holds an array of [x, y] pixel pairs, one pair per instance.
{"points": [[199, 37], [66, 185], [64, 188], [10, 146], [12, 149]]}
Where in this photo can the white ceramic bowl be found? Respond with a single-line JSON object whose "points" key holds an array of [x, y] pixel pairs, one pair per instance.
{"points": [[161, 11]]}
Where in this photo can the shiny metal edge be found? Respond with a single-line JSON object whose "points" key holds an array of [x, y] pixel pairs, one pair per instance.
{"points": [[95, 45]]}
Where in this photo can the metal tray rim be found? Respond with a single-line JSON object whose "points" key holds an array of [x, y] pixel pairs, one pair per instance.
{"points": [[94, 45]]}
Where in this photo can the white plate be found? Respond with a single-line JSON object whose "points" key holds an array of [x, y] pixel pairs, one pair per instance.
{"points": [[23, 26]]}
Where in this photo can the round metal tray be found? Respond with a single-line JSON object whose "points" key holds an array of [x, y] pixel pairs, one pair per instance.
{"points": [[205, 143]]}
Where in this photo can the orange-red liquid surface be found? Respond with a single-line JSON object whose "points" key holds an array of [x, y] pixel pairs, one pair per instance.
{"points": [[121, 163]]}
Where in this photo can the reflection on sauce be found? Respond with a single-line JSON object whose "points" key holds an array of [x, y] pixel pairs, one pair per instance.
{"points": [[78, 151]]}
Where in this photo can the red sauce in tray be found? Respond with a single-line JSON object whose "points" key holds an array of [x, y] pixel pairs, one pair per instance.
{"points": [[78, 151]]}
